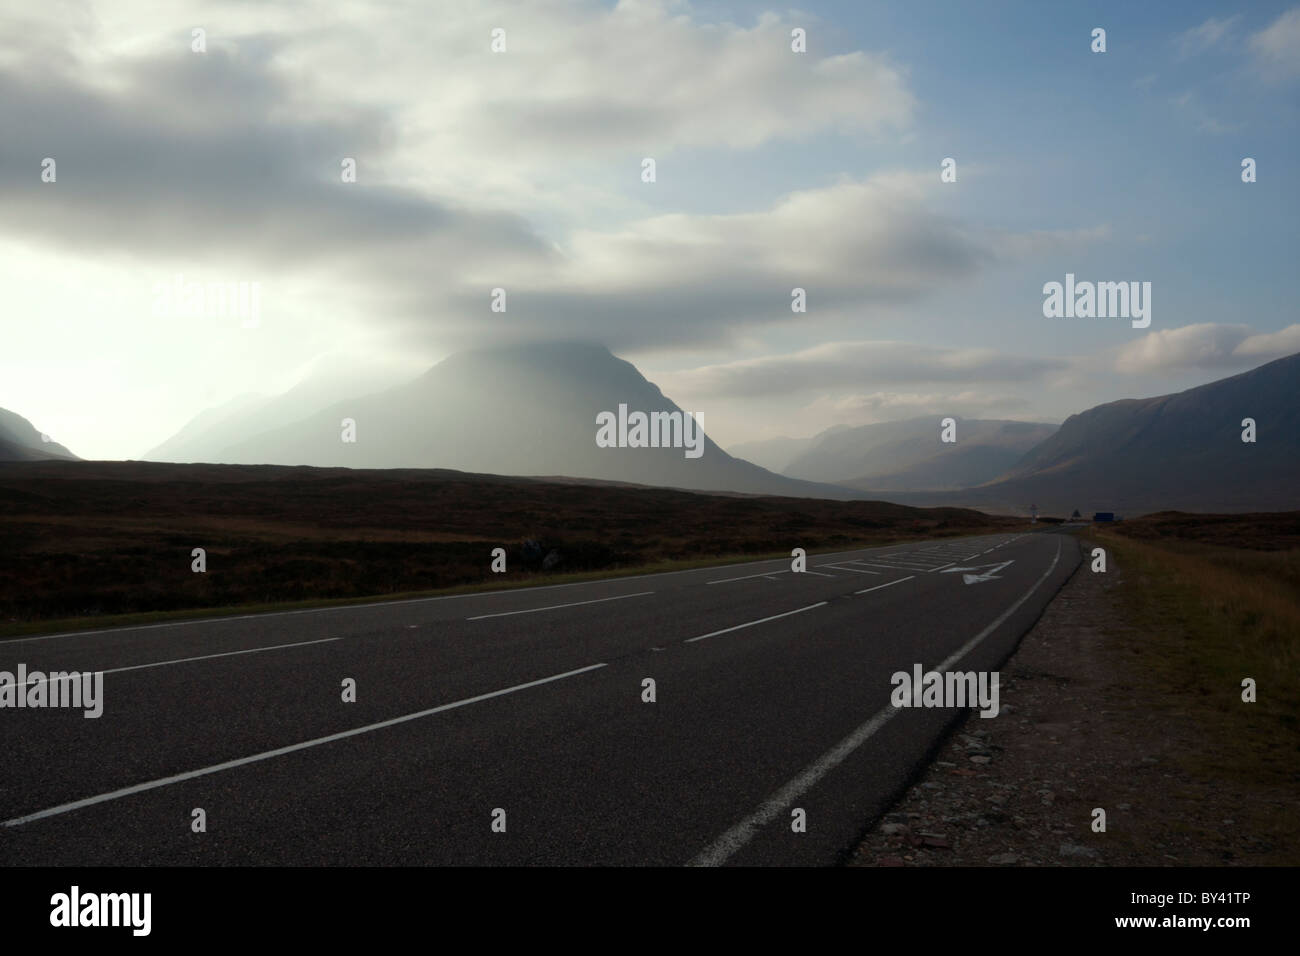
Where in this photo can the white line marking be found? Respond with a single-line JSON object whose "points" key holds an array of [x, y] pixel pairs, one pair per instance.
{"points": [[989, 575], [554, 607], [730, 842], [818, 573], [728, 630], [895, 567], [205, 657], [840, 567], [886, 584], [281, 751], [761, 574]]}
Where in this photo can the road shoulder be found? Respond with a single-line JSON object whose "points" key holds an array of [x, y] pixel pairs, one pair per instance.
{"points": [[1081, 728]]}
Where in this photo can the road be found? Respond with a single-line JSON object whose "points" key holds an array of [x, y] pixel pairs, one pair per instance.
{"points": [[771, 694]]}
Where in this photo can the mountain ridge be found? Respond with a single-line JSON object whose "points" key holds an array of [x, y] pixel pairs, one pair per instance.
{"points": [[20, 441]]}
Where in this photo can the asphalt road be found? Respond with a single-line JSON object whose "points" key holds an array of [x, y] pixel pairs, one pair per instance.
{"points": [[772, 693]]}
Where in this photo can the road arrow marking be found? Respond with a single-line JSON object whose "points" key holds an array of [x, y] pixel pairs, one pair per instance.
{"points": [[989, 575]]}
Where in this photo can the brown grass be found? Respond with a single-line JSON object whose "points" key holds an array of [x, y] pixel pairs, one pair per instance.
{"points": [[1217, 599]]}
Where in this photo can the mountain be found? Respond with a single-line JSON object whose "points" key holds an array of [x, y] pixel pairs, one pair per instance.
{"points": [[206, 435], [1175, 452], [525, 410], [19, 441], [211, 430], [1182, 451], [909, 454], [775, 454]]}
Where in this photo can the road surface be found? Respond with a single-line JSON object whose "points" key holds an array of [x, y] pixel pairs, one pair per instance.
{"points": [[772, 693]]}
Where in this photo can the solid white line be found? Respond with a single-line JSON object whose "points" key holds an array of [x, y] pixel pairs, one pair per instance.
{"points": [[840, 567], [726, 845], [553, 607], [205, 657], [761, 574], [886, 584], [818, 573], [281, 751], [728, 630], [942, 566]]}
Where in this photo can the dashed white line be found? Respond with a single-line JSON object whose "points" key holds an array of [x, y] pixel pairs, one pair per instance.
{"points": [[746, 577], [886, 584], [763, 620], [554, 607], [205, 657]]}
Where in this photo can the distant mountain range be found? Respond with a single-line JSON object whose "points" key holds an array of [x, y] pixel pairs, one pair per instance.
{"points": [[775, 454], [19, 441], [1182, 451], [532, 410], [908, 455], [212, 431], [527, 410]]}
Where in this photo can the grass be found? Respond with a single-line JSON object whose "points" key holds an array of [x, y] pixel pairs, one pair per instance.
{"points": [[1217, 599]]}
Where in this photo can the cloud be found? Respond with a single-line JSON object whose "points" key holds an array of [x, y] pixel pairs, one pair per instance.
{"points": [[1277, 47], [1206, 122], [219, 166], [230, 158], [682, 279], [259, 185], [1208, 34], [865, 408], [1207, 345], [840, 365], [636, 76], [580, 81]]}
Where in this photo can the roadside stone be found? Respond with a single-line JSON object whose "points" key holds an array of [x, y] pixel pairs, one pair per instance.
{"points": [[1070, 849]]}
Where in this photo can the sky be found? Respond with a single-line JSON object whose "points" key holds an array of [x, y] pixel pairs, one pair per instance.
{"points": [[197, 160]]}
